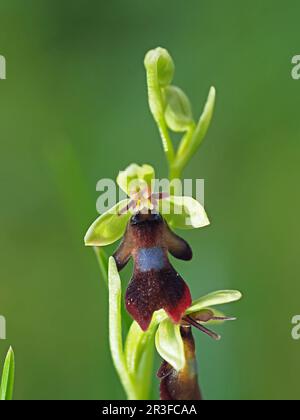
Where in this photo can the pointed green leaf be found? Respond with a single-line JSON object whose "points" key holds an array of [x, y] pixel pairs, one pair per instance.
{"points": [[7, 382], [135, 178], [115, 322], [204, 121], [215, 298], [178, 111], [138, 340], [139, 353], [169, 344], [115, 329], [109, 227], [184, 212], [136, 343]]}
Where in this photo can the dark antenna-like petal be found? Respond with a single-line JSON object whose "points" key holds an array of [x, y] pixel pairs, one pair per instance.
{"points": [[200, 327]]}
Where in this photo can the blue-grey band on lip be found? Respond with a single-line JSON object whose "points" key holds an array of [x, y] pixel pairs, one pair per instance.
{"points": [[150, 259]]}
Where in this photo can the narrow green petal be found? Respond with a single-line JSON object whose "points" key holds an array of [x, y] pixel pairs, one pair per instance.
{"points": [[215, 298], [169, 344], [184, 212], [204, 120], [109, 227]]}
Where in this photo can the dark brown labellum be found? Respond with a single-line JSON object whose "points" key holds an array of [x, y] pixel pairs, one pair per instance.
{"points": [[155, 283]]}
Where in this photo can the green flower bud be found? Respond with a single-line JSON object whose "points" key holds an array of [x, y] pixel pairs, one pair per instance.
{"points": [[178, 112], [159, 60]]}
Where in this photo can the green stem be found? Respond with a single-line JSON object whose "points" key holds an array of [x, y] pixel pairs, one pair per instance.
{"points": [[174, 173], [180, 161], [166, 140]]}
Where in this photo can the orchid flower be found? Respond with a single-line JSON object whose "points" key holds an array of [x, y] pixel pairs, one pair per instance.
{"points": [[173, 341], [178, 373]]}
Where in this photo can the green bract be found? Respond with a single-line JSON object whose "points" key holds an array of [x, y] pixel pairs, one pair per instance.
{"points": [[193, 140], [137, 181]]}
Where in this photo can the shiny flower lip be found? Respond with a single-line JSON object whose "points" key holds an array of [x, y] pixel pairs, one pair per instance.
{"points": [[155, 283]]}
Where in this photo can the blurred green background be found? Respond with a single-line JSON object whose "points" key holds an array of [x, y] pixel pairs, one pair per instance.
{"points": [[74, 109]]}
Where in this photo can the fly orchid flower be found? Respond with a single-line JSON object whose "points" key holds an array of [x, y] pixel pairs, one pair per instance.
{"points": [[148, 239], [181, 385], [175, 343], [138, 183], [155, 283]]}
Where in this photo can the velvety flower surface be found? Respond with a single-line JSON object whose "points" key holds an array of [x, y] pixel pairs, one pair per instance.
{"points": [[155, 284]]}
